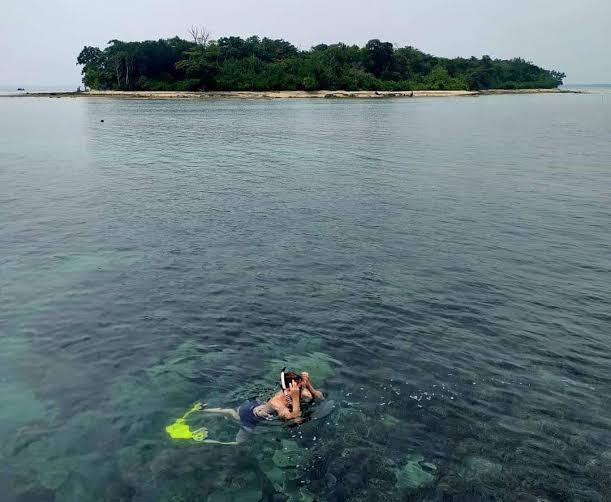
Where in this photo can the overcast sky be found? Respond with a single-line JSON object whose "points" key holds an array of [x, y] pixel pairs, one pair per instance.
{"points": [[40, 39]]}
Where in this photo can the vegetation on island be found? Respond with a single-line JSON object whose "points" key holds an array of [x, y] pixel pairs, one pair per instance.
{"points": [[262, 64]]}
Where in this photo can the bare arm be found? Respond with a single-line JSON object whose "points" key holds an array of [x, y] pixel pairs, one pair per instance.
{"points": [[284, 413], [283, 410], [308, 383]]}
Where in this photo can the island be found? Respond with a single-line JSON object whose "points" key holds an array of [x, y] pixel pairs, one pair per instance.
{"points": [[276, 68]]}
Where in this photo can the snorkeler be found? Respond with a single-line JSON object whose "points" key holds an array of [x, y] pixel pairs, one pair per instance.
{"points": [[285, 404]]}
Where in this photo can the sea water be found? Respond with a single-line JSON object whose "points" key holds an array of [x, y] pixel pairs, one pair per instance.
{"points": [[440, 266]]}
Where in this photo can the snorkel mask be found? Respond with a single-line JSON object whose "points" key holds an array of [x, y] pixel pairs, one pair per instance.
{"points": [[297, 379]]}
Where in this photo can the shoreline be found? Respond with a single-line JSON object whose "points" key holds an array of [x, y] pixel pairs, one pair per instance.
{"points": [[284, 94]]}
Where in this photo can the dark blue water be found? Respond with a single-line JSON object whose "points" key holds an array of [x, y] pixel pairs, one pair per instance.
{"points": [[440, 266]]}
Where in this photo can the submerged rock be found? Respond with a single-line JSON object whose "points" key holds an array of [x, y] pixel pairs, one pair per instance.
{"points": [[45, 459], [415, 474], [241, 495], [276, 497], [275, 475], [344, 473], [289, 455], [330, 480], [133, 462], [52, 473], [475, 468], [172, 379], [390, 421], [184, 363], [302, 495], [75, 488], [20, 406]]}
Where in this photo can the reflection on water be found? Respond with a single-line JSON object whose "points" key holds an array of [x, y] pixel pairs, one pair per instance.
{"points": [[440, 267]]}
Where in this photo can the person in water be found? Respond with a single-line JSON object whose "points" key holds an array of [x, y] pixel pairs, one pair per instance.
{"points": [[286, 404]]}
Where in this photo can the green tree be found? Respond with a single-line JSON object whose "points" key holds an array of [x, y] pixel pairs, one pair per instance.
{"points": [[92, 60], [380, 55], [234, 63]]}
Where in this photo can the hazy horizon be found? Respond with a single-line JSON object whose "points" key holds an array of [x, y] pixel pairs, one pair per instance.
{"points": [[570, 38]]}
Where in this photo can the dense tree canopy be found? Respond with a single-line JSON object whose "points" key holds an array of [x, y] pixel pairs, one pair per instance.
{"points": [[255, 64]]}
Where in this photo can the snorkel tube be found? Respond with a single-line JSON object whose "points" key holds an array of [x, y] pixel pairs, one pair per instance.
{"points": [[285, 391], [282, 382]]}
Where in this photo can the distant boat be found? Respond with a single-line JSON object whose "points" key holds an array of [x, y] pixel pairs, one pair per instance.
{"points": [[20, 89]]}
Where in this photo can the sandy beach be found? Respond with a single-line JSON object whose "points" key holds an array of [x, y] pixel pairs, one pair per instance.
{"points": [[282, 94]]}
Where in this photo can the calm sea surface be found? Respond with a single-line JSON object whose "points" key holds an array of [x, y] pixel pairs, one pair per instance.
{"points": [[442, 268]]}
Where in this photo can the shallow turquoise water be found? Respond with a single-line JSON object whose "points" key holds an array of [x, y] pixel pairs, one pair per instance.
{"points": [[441, 267]]}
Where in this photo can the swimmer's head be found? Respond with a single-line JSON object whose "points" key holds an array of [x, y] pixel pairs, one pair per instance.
{"points": [[286, 377]]}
